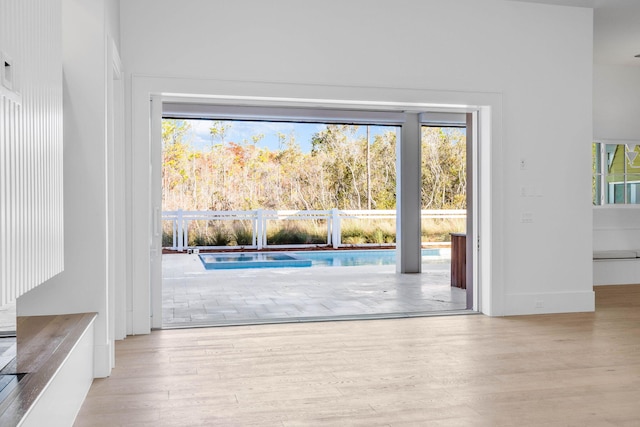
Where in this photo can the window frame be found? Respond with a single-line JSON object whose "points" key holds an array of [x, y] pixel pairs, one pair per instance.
{"points": [[605, 197]]}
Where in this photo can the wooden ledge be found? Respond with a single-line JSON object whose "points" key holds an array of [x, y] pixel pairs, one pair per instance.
{"points": [[43, 344]]}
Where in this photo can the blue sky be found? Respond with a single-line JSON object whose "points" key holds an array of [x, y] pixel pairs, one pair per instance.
{"points": [[242, 130]]}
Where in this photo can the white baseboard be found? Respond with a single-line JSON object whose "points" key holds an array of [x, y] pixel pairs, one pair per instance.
{"points": [[102, 360], [551, 302]]}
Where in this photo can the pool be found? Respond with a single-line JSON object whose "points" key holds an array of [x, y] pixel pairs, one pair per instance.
{"points": [[352, 258], [222, 261], [345, 258]]}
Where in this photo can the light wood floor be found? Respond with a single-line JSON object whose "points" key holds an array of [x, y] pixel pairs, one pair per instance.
{"points": [[551, 370]]}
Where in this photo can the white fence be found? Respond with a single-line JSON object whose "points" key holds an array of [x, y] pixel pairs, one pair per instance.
{"points": [[180, 222]]}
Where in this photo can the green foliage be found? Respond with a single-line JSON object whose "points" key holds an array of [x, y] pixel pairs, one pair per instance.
{"points": [[344, 170], [174, 131], [176, 152], [378, 236], [354, 240], [287, 236], [361, 231], [242, 235], [200, 240], [167, 239], [220, 236], [208, 233], [439, 230], [218, 130], [294, 234], [444, 178]]}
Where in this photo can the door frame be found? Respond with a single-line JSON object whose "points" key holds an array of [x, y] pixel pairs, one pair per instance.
{"points": [[408, 237], [488, 106]]}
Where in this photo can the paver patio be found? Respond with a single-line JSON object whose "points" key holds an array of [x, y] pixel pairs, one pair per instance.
{"points": [[194, 296]]}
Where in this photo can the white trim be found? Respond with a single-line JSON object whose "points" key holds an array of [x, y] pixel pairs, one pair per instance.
{"points": [[103, 359], [116, 61], [607, 188], [321, 102], [116, 158], [550, 302], [627, 142], [473, 203], [617, 206], [490, 210], [155, 200], [443, 119], [298, 114]]}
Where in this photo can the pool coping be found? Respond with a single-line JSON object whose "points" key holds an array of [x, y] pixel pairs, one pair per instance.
{"points": [[293, 261], [296, 259]]}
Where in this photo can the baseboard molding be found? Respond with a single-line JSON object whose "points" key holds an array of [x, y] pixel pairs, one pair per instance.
{"points": [[550, 302], [102, 360]]}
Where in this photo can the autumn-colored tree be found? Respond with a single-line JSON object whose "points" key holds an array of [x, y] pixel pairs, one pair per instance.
{"points": [[176, 153], [344, 170], [443, 168]]}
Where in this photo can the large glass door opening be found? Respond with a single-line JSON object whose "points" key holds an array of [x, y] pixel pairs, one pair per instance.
{"points": [[281, 220], [443, 198]]}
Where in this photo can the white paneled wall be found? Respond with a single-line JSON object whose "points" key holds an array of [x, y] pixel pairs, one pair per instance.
{"points": [[31, 147]]}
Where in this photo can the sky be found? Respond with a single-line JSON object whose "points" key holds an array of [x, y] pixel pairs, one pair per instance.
{"points": [[244, 130]]}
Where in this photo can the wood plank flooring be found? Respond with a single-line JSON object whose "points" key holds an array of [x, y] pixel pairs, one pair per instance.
{"points": [[549, 370]]}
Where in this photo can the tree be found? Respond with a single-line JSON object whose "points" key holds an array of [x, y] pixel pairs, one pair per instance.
{"points": [[175, 164], [383, 170], [343, 170], [341, 152], [218, 167], [443, 168]]}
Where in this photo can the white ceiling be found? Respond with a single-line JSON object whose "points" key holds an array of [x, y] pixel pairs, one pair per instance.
{"points": [[616, 38]]}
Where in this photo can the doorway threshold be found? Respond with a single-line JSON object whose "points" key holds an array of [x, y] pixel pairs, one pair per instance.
{"points": [[317, 319]]}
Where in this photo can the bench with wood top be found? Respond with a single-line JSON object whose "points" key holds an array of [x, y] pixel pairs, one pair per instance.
{"points": [[54, 356]]}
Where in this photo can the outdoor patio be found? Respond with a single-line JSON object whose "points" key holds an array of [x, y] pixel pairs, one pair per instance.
{"points": [[194, 296]]}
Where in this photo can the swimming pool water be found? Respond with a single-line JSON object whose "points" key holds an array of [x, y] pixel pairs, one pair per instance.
{"points": [[349, 258], [344, 258], [215, 261]]}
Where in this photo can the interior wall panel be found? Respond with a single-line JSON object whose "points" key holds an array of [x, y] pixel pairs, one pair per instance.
{"points": [[31, 145]]}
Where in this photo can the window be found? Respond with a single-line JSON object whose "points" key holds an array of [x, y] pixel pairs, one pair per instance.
{"points": [[616, 173]]}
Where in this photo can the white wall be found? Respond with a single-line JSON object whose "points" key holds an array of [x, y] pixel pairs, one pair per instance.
{"points": [[112, 8], [616, 102], [31, 145], [536, 58], [83, 286]]}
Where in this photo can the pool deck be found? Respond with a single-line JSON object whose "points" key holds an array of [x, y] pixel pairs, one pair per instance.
{"points": [[194, 296]]}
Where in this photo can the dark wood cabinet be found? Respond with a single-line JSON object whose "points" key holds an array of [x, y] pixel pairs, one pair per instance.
{"points": [[459, 260]]}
